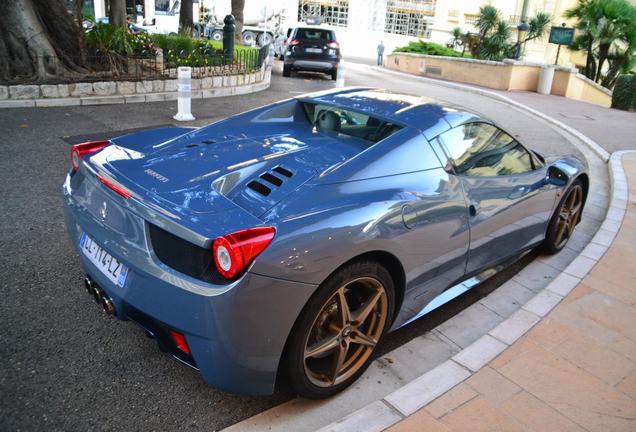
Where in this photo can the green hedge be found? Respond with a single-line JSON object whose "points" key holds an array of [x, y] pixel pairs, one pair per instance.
{"points": [[430, 48], [624, 94]]}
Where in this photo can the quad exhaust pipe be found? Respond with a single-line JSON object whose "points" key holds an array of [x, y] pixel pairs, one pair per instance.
{"points": [[100, 296]]}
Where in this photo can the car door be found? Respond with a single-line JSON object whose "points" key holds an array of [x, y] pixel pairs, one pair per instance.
{"points": [[509, 200]]}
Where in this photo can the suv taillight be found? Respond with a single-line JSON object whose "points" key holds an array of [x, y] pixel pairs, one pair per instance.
{"points": [[79, 150], [294, 42], [333, 45], [233, 253]]}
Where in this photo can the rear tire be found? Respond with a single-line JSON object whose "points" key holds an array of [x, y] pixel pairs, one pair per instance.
{"points": [[565, 218], [286, 70], [334, 74], [334, 338]]}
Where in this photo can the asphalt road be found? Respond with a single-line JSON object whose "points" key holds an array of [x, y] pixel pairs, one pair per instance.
{"points": [[68, 366]]}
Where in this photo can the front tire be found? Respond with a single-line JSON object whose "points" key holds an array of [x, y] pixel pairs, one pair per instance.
{"points": [[286, 70], [338, 330], [565, 218]]}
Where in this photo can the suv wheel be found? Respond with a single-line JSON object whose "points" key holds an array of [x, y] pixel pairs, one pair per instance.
{"points": [[286, 70]]}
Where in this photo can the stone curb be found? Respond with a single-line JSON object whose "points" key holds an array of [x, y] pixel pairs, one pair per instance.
{"points": [[595, 147], [136, 98], [423, 390]]}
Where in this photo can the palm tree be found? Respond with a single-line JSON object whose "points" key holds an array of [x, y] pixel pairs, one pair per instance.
{"points": [[608, 30], [457, 37], [237, 11]]}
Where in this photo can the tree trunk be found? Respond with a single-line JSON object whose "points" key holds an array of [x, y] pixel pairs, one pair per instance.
{"points": [[237, 11], [117, 13], [38, 40], [186, 22], [589, 69], [603, 51], [81, 40]]}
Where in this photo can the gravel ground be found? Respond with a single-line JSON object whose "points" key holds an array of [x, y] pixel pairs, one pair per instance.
{"points": [[66, 365]]}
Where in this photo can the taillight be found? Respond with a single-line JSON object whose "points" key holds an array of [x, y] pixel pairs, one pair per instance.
{"points": [[233, 253], [294, 42], [334, 45], [120, 190], [79, 150]]}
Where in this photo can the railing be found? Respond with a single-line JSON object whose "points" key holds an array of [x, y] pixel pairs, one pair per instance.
{"points": [[147, 66]]}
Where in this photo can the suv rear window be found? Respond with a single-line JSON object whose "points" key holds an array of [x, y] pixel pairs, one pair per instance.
{"points": [[351, 123], [315, 34]]}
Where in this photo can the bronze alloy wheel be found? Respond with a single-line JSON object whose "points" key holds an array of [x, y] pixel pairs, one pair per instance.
{"points": [[346, 331], [569, 215]]}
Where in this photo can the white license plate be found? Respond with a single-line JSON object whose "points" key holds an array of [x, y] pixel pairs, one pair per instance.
{"points": [[314, 50], [115, 270]]}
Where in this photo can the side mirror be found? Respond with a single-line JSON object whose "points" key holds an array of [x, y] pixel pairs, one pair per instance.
{"points": [[557, 177]]}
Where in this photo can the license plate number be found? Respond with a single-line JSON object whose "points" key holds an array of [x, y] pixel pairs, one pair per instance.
{"points": [[115, 270], [313, 50]]}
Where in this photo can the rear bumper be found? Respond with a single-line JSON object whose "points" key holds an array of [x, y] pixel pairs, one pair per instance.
{"points": [[314, 65], [236, 333]]}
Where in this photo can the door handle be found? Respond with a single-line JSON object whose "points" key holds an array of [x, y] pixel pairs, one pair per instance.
{"points": [[472, 210]]}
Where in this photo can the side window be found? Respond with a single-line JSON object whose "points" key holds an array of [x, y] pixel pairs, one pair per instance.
{"points": [[481, 149]]}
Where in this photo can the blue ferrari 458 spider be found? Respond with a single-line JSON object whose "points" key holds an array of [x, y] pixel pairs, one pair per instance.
{"points": [[291, 238]]}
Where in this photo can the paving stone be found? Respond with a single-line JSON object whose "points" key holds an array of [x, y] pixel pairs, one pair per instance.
{"points": [[206, 83], [479, 353], [13, 103], [479, 415], [428, 387], [374, 417], [543, 303], [469, 325], [620, 288], [50, 91], [594, 251], [535, 415], [507, 298], [4, 92], [418, 356], [570, 390], [63, 90], [420, 421], [105, 88], [142, 87], [514, 327], [628, 385], [492, 386], [561, 259], [158, 86], [603, 237], [536, 276], [80, 89], [135, 98], [450, 400], [217, 81], [125, 87], [563, 284], [196, 84], [170, 85], [155, 97], [24, 92], [611, 225]]}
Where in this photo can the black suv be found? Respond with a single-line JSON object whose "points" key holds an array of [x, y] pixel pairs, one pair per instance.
{"points": [[311, 49]]}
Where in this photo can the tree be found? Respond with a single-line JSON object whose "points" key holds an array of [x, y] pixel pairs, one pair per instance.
{"points": [[607, 36], [456, 37], [39, 39], [237, 12], [186, 22], [117, 13], [494, 34]]}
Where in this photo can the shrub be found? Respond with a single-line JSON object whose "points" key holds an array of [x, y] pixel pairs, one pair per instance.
{"points": [[624, 95], [430, 48]]}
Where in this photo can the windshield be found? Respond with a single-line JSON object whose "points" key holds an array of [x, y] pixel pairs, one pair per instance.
{"points": [[314, 34], [351, 123]]}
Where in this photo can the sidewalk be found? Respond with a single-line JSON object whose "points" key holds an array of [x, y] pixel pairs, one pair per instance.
{"points": [[574, 371]]}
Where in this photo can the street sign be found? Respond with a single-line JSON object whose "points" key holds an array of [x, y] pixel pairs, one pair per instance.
{"points": [[561, 35]]}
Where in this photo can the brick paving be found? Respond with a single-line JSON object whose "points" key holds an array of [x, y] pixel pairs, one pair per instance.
{"points": [[574, 371]]}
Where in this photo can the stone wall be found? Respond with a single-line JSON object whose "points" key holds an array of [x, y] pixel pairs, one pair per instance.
{"points": [[107, 92], [506, 75]]}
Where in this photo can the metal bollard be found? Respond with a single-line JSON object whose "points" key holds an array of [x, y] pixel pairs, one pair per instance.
{"points": [[184, 94], [341, 75]]}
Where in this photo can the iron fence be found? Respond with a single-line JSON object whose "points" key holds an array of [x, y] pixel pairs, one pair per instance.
{"points": [[144, 66]]}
